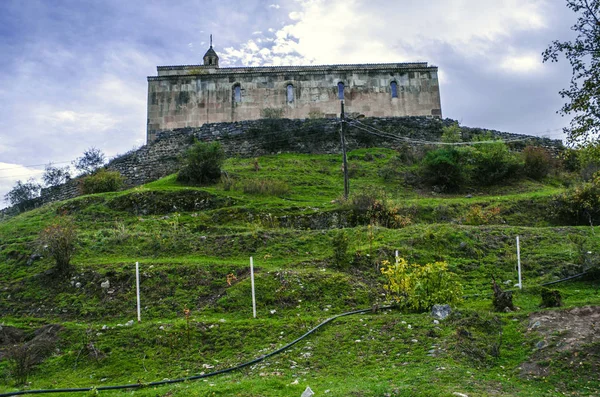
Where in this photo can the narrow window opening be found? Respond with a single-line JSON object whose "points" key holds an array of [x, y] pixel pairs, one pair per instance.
{"points": [[237, 94], [210, 61], [394, 87], [340, 90], [290, 93]]}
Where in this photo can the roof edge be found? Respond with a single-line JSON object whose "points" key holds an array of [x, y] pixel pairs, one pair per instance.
{"points": [[344, 65]]}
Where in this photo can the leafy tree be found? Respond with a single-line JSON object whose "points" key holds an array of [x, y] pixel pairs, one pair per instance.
{"points": [[492, 163], [202, 163], [583, 53], [54, 176], [92, 159], [22, 192]]}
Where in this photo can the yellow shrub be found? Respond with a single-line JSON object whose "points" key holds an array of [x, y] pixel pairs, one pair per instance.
{"points": [[419, 287]]}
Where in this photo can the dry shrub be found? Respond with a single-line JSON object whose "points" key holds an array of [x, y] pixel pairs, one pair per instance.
{"points": [[24, 357], [58, 240]]}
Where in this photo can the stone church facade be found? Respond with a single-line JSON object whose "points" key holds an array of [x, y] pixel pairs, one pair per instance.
{"points": [[193, 95]]}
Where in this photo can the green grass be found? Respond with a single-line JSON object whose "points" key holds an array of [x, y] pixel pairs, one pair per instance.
{"points": [[189, 239]]}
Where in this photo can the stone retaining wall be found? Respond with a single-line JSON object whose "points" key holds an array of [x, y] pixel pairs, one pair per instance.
{"points": [[270, 136]]}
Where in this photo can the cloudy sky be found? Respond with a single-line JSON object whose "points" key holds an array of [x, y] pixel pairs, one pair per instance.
{"points": [[74, 71]]}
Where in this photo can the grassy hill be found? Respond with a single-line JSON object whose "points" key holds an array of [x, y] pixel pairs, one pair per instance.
{"points": [[194, 244]]}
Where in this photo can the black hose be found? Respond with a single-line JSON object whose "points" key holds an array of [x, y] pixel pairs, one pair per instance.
{"points": [[541, 285], [194, 377]]}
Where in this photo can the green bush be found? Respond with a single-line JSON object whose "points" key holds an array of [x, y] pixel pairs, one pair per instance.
{"points": [[538, 162], [445, 168], [419, 287], [493, 163], [102, 181], [580, 205], [202, 164]]}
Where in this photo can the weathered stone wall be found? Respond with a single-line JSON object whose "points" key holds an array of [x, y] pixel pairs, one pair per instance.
{"points": [[190, 96], [252, 138]]}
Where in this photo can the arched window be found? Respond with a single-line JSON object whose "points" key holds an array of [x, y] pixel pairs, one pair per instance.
{"points": [[290, 93], [340, 90], [237, 93], [394, 87]]}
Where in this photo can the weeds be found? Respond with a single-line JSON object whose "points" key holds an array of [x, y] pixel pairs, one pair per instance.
{"points": [[265, 187]]}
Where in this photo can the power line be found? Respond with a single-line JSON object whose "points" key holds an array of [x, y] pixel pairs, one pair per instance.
{"points": [[384, 134], [35, 165]]}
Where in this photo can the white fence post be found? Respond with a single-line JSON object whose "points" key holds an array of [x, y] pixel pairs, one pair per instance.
{"points": [[519, 263], [137, 287], [252, 282]]}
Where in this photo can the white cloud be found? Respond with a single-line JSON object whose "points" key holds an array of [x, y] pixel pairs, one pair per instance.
{"points": [[522, 63], [72, 122], [275, 6], [356, 31]]}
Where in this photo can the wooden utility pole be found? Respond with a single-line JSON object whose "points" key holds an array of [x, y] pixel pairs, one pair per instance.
{"points": [[346, 182]]}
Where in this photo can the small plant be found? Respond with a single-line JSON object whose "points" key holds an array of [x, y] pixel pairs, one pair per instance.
{"points": [[340, 244], [419, 287], [202, 163], [271, 113], [59, 240], [551, 298], [227, 182], [102, 181]]}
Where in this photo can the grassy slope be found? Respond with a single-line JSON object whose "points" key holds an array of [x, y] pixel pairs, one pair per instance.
{"points": [[186, 255]]}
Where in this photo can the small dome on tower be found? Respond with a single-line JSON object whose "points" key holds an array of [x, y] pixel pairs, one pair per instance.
{"points": [[211, 58]]}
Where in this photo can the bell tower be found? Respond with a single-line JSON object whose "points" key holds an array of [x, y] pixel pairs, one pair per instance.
{"points": [[211, 58]]}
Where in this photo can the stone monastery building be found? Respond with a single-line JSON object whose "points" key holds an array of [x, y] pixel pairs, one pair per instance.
{"points": [[192, 95]]}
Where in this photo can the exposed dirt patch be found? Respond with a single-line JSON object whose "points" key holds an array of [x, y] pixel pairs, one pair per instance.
{"points": [[12, 338], [561, 332]]}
